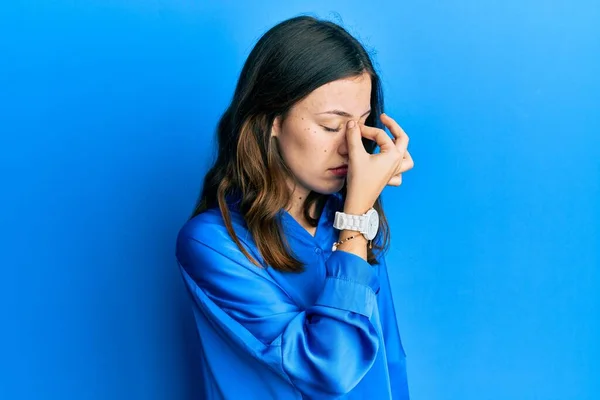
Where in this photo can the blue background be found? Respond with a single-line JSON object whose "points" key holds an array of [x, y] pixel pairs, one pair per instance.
{"points": [[107, 111]]}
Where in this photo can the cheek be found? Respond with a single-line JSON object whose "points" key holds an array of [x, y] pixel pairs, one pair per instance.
{"points": [[303, 144], [314, 149], [295, 145]]}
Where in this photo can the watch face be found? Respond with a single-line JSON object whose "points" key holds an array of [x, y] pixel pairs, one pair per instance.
{"points": [[373, 224]]}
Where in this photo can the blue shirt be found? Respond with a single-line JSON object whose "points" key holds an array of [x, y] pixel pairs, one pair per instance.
{"points": [[329, 332]]}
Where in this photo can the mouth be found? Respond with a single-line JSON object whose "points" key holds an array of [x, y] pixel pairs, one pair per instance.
{"points": [[340, 171], [343, 166]]}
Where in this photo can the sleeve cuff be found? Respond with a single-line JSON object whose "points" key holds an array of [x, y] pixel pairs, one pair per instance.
{"points": [[349, 266], [351, 284]]}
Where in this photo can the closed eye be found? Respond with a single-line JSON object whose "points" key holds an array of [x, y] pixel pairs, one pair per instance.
{"points": [[331, 129]]}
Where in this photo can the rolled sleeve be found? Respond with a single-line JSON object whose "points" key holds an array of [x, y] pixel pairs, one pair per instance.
{"points": [[351, 284]]}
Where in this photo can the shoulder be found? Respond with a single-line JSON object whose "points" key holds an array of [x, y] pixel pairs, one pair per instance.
{"points": [[209, 228], [204, 246]]}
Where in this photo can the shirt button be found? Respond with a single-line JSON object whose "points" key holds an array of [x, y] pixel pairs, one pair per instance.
{"points": [[318, 250]]}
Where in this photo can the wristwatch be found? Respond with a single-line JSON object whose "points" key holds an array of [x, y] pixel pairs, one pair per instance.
{"points": [[367, 224]]}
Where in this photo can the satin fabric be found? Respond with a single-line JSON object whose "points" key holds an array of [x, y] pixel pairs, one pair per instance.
{"points": [[329, 332]]}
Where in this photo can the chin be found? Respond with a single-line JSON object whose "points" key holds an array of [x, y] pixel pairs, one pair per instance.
{"points": [[329, 189]]}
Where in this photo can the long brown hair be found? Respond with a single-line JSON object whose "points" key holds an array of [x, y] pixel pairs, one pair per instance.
{"points": [[288, 62]]}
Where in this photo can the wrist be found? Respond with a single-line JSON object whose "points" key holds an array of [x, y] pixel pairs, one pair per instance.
{"points": [[357, 245], [346, 233], [354, 209]]}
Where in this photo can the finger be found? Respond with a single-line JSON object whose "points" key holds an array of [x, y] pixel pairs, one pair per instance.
{"points": [[401, 138], [406, 164], [353, 137], [378, 136], [396, 180]]}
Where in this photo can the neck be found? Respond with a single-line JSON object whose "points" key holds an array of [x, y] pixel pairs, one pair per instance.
{"points": [[296, 207]]}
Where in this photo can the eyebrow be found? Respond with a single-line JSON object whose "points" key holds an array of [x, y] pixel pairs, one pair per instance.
{"points": [[342, 113]]}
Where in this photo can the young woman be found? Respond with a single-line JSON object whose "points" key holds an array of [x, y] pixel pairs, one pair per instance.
{"points": [[284, 254]]}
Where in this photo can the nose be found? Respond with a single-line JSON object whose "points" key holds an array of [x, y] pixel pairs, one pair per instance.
{"points": [[343, 147]]}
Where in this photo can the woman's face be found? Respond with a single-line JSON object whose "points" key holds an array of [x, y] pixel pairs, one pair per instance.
{"points": [[312, 137]]}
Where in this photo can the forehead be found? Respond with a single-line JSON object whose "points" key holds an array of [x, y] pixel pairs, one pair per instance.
{"points": [[352, 95]]}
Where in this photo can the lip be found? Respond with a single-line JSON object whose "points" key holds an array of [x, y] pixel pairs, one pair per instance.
{"points": [[340, 171], [340, 167]]}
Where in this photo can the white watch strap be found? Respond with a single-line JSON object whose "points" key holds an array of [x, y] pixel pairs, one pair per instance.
{"points": [[350, 222]]}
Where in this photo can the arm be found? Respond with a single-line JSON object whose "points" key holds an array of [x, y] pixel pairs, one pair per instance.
{"points": [[327, 348]]}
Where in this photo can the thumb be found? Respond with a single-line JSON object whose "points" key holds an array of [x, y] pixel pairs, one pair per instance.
{"points": [[353, 137]]}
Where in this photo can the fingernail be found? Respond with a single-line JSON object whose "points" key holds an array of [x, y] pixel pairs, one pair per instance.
{"points": [[351, 124]]}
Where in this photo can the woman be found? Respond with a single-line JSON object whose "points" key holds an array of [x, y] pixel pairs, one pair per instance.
{"points": [[291, 295]]}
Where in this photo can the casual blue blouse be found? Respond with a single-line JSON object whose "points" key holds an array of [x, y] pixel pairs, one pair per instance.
{"points": [[329, 332]]}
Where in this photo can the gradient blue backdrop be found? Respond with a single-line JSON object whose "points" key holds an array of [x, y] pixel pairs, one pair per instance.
{"points": [[107, 110]]}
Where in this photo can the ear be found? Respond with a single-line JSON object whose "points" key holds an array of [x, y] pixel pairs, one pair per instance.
{"points": [[276, 127]]}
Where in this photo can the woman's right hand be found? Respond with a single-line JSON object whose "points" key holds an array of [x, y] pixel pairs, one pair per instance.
{"points": [[368, 173]]}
